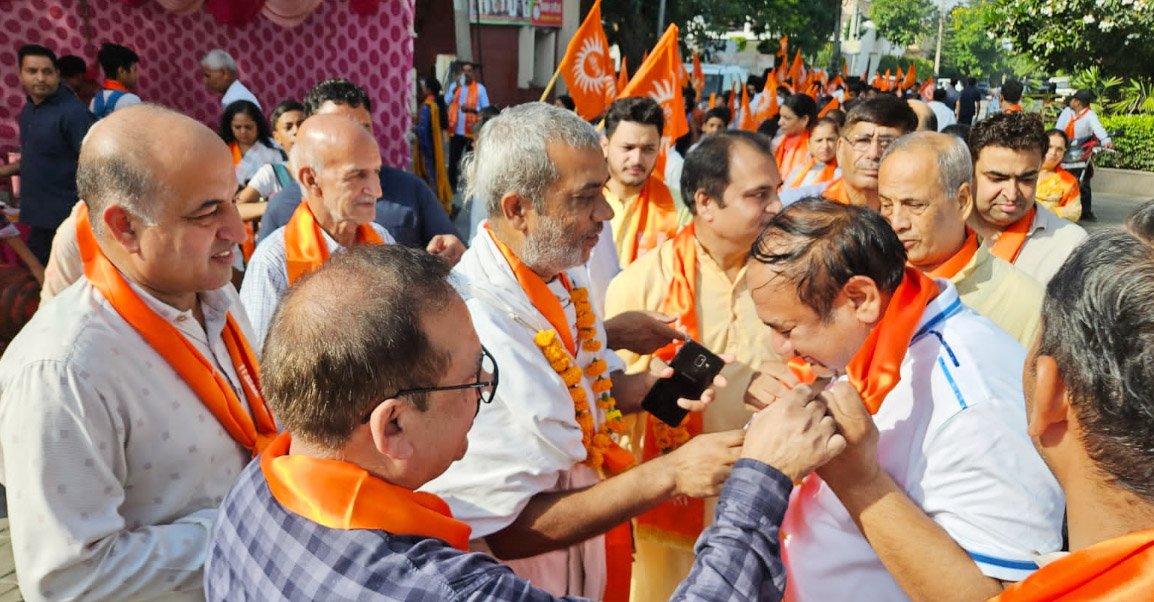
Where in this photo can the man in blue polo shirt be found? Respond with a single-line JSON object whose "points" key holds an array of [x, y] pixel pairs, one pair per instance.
{"points": [[52, 125], [408, 209]]}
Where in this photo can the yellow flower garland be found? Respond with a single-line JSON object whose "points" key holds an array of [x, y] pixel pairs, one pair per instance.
{"points": [[599, 440]]}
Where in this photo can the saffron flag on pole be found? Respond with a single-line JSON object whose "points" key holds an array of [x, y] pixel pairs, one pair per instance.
{"points": [[769, 107], [698, 74], [899, 80], [783, 50], [927, 90], [658, 78], [586, 67], [745, 120], [911, 77], [795, 70]]}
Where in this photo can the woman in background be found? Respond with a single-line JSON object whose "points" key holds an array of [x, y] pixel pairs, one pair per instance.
{"points": [[1057, 188], [429, 154], [797, 117], [245, 131]]}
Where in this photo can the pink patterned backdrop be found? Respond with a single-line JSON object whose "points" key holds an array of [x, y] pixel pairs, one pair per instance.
{"points": [[276, 63]]}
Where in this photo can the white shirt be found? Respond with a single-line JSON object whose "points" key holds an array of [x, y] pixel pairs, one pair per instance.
{"points": [[1049, 242], [236, 91], [126, 99], [114, 467], [265, 180], [527, 440], [604, 264], [256, 157], [1086, 126], [945, 115], [266, 278], [952, 435]]}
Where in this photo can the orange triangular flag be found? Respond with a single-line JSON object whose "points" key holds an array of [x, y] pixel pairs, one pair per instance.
{"points": [[911, 77], [783, 51], [745, 121], [768, 108], [927, 90], [586, 67], [795, 69], [829, 106], [899, 79], [622, 77], [698, 75], [889, 78]]}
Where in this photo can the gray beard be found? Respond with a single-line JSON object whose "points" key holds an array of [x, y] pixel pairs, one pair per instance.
{"points": [[548, 249]]}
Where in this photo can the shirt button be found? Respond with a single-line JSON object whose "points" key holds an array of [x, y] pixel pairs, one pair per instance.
{"points": [[181, 318]]}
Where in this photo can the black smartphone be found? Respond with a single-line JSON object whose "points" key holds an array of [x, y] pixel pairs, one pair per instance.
{"points": [[694, 367]]}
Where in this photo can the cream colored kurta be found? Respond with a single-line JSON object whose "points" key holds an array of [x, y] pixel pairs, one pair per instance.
{"points": [[624, 210], [1049, 242], [1001, 292], [728, 324]]}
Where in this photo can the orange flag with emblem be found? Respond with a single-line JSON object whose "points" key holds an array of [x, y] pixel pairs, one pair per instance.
{"points": [[745, 120], [768, 108], [586, 67], [659, 78], [927, 90], [698, 75]]}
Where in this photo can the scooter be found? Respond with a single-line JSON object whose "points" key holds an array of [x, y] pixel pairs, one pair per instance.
{"points": [[1079, 161]]}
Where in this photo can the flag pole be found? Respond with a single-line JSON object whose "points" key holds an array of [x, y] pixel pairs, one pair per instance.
{"points": [[552, 82]]}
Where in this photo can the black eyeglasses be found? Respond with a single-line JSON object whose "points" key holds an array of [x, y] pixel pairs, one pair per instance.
{"points": [[486, 388]]}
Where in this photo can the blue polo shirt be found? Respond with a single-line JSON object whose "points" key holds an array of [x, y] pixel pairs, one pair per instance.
{"points": [[50, 136], [408, 209]]}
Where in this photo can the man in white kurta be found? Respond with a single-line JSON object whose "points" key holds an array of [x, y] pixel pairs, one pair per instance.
{"points": [[940, 494], [526, 455], [114, 466]]}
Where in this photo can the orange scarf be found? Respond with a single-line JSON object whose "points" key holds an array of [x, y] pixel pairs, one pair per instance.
{"points": [[1073, 120], [1014, 109], [836, 192], [1070, 189], [1111, 571], [305, 247], [236, 154], [111, 84], [960, 260], [340, 495], [471, 95], [1012, 239], [681, 520], [648, 222], [827, 172], [618, 541], [876, 367], [792, 151], [197, 372]]}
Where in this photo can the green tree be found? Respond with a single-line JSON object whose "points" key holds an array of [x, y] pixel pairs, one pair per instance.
{"points": [[1068, 35], [969, 48], [903, 22], [632, 24]]}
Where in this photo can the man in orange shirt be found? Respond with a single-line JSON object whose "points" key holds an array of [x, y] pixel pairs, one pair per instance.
{"points": [[1087, 384], [869, 128], [644, 214]]}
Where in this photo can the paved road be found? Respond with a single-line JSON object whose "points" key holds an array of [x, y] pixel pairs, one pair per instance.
{"points": [[1112, 210]]}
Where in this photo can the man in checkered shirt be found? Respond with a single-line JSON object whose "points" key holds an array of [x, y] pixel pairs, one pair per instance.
{"points": [[328, 512]]}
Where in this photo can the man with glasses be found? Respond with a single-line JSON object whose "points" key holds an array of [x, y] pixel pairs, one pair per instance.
{"points": [[329, 511], [869, 129]]}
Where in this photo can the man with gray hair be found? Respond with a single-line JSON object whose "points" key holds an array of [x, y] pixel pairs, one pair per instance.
{"points": [[924, 185], [337, 165], [220, 74], [537, 485], [130, 403]]}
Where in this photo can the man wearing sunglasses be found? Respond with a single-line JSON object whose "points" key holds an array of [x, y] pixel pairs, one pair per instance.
{"points": [[329, 511], [870, 128]]}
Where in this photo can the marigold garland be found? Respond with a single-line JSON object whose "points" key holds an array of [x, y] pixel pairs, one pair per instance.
{"points": [[596, 441]]}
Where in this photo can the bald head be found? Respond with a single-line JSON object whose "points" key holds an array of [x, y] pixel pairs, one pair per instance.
{"points": [[338, 166], [927, 121], [948, 153], [123, 160]]}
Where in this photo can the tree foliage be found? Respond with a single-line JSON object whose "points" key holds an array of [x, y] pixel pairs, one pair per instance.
{"points": [[632, 24], [1068, 35], [969, 48], [903, 22]]}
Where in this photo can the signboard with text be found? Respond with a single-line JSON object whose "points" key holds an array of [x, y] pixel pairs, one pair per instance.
{"points": [[539, 13]]}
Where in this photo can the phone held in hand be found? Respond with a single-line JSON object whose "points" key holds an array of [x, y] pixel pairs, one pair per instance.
{"points": [[694, 368]]}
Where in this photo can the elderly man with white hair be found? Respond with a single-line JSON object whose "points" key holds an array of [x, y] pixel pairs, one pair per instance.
{"points": [[220, 74], [338, 165], [544, 479]]}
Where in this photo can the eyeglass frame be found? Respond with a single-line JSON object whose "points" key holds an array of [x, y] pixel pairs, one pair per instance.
{"points": [[876, 136], [477, 385]]}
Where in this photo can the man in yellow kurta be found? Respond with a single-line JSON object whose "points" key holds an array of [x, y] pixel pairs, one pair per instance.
{"points": [[924, 185], [730, 181], [644, 213]]}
